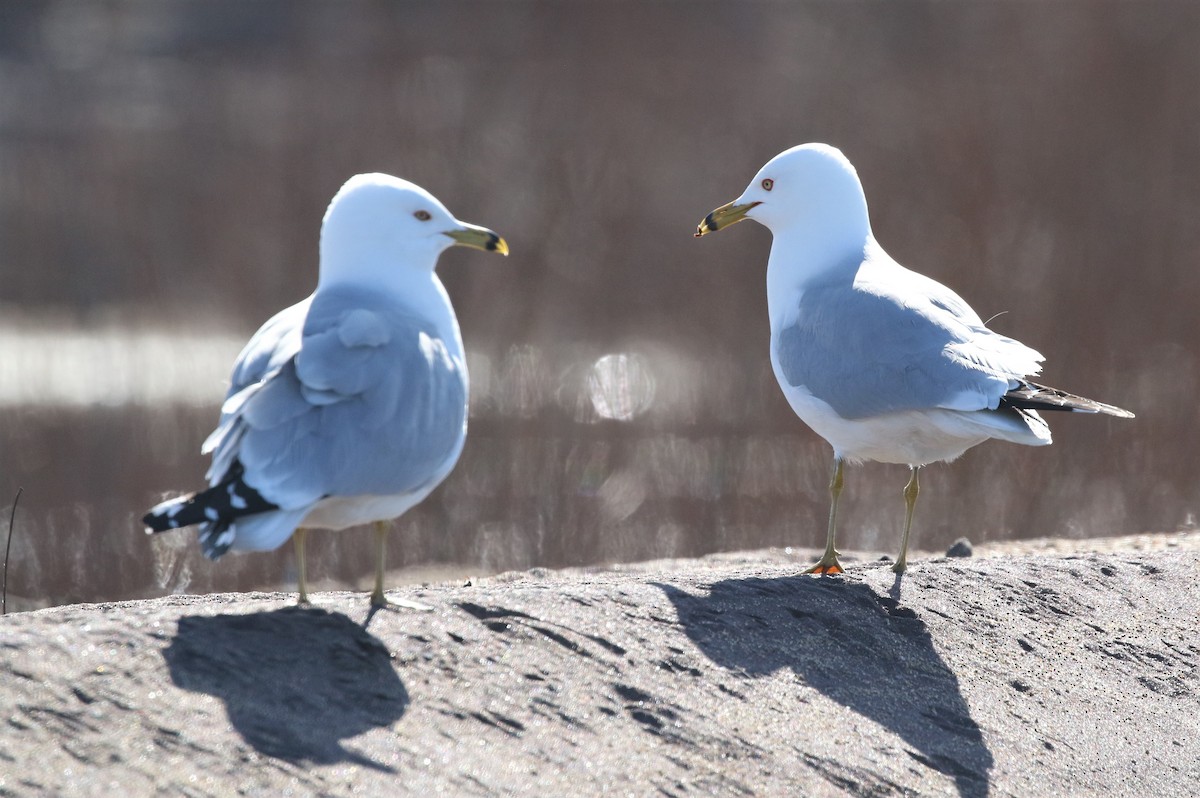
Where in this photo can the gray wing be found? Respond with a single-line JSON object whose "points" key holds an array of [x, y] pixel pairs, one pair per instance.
{"points": [[894, 340], [267, 352], [370, 403]]}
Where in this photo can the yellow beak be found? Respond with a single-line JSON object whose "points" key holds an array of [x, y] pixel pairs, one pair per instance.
{"points": [[470, 235], [723, 217]]}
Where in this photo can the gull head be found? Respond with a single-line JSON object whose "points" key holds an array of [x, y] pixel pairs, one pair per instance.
{"points": [[810, 188], [380, 219]]}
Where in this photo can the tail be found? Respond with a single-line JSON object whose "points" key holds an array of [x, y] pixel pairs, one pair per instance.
{"points": [[215, 510], [1031, 396]]}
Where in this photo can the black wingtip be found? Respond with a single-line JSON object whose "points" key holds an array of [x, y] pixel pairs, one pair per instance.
{"points": [[171, 515], [1032, 396]]}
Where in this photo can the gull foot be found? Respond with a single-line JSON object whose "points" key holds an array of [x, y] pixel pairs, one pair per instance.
{"points": [[827, 565], [382, 602]]}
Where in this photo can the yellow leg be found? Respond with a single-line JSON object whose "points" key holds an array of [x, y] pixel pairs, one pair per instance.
{"points": [[378, 600], [377, 597], [911, 490], [828, 564], [301, 572]]}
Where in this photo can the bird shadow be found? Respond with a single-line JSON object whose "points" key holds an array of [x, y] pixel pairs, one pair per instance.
{"points": [[295, 681], [858, 648]]}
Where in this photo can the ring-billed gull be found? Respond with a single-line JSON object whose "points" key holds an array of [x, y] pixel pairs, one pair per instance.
{"points": [[351, 406], [883, 363]]}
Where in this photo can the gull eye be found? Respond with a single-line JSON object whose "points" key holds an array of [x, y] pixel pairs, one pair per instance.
{"points": [[423, 216], [768, 184]]}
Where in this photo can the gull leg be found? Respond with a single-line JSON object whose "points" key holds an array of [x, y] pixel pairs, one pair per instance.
{"points": [[828, 564], [301, 571], [911, 490], [378, 600], [377, 597]]}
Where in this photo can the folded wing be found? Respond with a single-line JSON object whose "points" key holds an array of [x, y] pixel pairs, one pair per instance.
{"points": [[894, 340], [370, 403]]}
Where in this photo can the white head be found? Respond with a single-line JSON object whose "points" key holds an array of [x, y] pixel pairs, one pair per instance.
{"points": [[811, 189], [377, 222]]}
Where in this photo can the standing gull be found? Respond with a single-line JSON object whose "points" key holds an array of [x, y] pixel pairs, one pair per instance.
{"points": [[351, 406], [883, 363]]}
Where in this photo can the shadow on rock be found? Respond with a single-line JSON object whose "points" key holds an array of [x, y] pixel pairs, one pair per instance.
{"points": [[295, 682], [858, 648]]}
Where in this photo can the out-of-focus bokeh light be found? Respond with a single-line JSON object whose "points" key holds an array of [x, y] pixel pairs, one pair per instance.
{"points": [[621, 386]]}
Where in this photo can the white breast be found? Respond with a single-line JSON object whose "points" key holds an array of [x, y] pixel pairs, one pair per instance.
{"points": [[339, 512]]}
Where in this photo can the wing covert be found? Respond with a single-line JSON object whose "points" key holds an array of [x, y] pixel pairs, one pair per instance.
{"points": [[865, 351], [372, 403]]}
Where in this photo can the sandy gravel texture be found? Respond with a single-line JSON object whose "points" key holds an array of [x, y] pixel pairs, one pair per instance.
{"points": [[1055, 673]]}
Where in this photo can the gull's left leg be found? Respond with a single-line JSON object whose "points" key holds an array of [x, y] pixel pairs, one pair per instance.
{"points": [[378, 600], [911, 490], [301, 570], [377, 597]]}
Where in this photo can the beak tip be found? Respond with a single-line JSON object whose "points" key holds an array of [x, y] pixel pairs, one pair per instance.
{"points": [[724, 216], [475, 237], [707, 225]]}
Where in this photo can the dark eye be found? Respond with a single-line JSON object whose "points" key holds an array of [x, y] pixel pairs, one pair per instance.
{"points": [[768, 184], [423, 216]]}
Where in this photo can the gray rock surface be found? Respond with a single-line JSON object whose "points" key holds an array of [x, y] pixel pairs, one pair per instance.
{"points": [[1052, 674]]}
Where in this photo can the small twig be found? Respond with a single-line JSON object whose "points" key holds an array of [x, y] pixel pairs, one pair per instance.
{"points": [[12, 519]]}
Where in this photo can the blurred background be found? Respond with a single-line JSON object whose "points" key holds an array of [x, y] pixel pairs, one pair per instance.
{"points": [[164, 168]]}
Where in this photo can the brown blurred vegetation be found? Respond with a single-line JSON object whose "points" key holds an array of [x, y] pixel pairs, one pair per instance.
{"points": [[167, 164]]}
